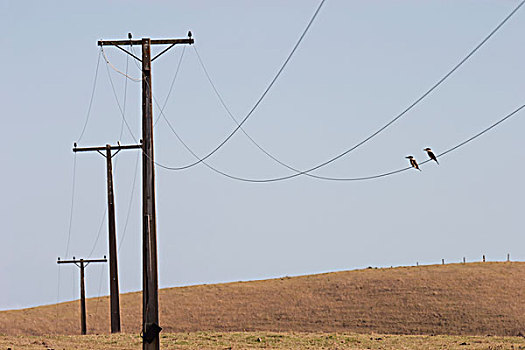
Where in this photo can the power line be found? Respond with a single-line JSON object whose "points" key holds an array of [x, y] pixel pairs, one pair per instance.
{"points": [[201, 160], [99, 299], [99, 232], [72, 204], [227, 109], [422, 96], [130, 202], [88, 114], [90, 100], [116, 69], [124, 102], [172, 84], [118, 104], [377, 132], [272, 82], [483, 131], [376, 176], [282, 178], [116, 160]]}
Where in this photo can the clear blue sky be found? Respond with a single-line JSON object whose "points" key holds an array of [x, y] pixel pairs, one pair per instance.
{"points": [[361, 63]]}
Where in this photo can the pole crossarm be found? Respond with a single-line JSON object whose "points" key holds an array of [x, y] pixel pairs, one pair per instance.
{"points": [[103, 148], [76, 261], [139, 42], [171, 42]]}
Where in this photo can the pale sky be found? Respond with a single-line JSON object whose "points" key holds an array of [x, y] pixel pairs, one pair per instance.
{"points": [[360, 64]]}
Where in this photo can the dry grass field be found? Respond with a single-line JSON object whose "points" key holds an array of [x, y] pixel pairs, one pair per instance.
{"points": [[456, 299], [263, 340]]}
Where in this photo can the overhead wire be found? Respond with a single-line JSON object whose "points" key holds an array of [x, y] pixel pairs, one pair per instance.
{"points": [[440, 81], [200, 160], [88, 114], [116, 160], [124, 122], [483, 131], [72, 204], [228, 111], [101, 225], [172, 84], [376, 176], [439, 155], [99, 299], [130, 203], [91, 99], [260, 99], [377, 132], [116, 69], [362, 178], [119, 106]]}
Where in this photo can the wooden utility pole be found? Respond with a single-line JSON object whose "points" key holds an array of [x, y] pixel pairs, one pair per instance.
{"points": [[150, 300], [82, 264], [112, 234]]}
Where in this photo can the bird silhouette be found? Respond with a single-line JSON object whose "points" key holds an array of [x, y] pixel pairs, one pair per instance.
{"points": [[130, 36], [431, 154], [189, 34], [413, 162]]}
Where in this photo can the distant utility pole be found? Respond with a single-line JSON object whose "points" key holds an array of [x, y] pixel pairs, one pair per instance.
{"points": [[81, 263], [150, 300], [112, 240]]}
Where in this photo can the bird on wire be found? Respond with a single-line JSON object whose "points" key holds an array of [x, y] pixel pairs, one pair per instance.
{"points": [[413, 162], [431, 154]]}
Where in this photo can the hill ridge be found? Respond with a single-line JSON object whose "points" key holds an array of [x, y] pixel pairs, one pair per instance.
{"points": [[473, 298]]}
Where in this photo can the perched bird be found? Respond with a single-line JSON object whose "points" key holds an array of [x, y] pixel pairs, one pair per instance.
{"points": [[413, 162], [189, 34], [130, 36], [431, 154]]}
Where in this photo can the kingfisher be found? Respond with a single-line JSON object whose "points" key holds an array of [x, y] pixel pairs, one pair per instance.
{"points": [[431, 154], [413, 162]]}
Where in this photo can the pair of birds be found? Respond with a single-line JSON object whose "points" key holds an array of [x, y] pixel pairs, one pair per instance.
{"points": [[413, 162]]}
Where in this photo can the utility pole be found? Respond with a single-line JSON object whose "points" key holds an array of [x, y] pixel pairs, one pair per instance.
{"points": [[150, 300], [112, 239], [81, 263]]}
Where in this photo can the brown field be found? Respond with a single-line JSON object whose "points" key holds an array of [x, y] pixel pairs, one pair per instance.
{"points": [[457, 299], [264, 340]]}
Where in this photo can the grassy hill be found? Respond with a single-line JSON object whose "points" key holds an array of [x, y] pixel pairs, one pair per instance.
{"points": [[455, 299]]}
